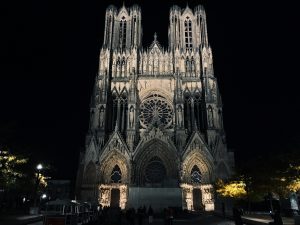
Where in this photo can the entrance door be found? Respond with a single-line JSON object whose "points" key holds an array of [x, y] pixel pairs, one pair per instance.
{"points": [[115, 198], [197, 199]]}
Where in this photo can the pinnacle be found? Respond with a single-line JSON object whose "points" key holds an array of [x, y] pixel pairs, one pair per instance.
{"points": [[155, 36]]}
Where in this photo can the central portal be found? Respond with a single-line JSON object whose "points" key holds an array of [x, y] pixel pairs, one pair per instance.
{"points": [[115, 197], [156, 172], [156, 164], [158, 198]]}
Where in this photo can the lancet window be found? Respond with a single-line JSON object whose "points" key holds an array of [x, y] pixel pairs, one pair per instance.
{"points": [[122, 32], [116, 175], [196, 175], [108, 25], [188, 33], [119, 112], [193, 113]]}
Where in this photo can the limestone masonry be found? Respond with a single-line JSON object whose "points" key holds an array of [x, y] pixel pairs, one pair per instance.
{"points": [[156, 132]]}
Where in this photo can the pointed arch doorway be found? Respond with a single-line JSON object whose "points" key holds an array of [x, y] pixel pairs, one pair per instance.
{"points": [[197, 199], [115, 197], [114, 175], [156, 174]]}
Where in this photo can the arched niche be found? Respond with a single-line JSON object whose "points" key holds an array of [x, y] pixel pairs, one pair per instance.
{"points": [[114, 161], [222, 171], [196, 175], [90, 173], [116, 175], [159, 153], [197, 160]]}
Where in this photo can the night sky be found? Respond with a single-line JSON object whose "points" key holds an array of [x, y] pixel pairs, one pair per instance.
{"points": [[49, 60]]}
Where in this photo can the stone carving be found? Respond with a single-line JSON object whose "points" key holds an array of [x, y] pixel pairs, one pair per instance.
{"points": [[155, 133], [156, 110], [101, 116], [116, 144], [131, 117], [150, 101], [210, 117], [104, 197], [180, 116]]}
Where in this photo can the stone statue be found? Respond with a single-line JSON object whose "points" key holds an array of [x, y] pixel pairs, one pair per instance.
{"points": [[131, 116], [210, 117], [180, 116], [213, 91], [101, 116]]}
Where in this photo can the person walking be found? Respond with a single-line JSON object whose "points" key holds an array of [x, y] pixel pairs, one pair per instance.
{"points": [[223, 209], [277, 218], [150, 215], [237, 216], [140, 215], [171, 215]]}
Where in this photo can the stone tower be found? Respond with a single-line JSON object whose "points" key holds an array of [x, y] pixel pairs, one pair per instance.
{"points": [[156, 130]]}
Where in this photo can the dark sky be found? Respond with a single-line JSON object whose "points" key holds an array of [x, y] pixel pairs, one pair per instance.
{"points": [[49, 59]]}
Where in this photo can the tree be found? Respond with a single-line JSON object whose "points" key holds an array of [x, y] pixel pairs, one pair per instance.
{"points": [[10, 168], [233, 189]]}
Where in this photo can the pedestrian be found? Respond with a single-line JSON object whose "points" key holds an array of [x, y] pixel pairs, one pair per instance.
{"points": [[223, 209], [237, 216], [171, 216], [132, 216], [150, 214], [277, 218], [166, 216], [140, 215]]}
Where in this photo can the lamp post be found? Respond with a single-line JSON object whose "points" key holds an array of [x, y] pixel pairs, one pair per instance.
{"points": [[271, 201], [39, 167]]}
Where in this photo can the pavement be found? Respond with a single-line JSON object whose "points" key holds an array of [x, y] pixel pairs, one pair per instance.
{"points": [[257, 218], [204, 218], [19, 219], [265, 219]]}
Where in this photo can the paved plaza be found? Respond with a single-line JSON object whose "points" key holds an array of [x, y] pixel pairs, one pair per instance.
{"points": [[203, 219]]}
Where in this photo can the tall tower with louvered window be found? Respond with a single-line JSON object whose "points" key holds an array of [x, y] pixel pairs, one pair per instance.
{"points": [[156, 133]]}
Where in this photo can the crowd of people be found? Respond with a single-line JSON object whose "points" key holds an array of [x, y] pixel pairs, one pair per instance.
{"points": [[131, 216]]}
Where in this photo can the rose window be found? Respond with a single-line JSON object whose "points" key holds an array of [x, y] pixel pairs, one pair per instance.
{"points": [[156, 110], [155, 171]]}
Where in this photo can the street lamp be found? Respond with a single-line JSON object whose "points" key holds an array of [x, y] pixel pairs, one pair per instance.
{"points": [[39, 167]]}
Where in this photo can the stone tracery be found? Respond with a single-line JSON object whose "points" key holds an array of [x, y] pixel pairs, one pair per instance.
{"points": [[155, 111]]}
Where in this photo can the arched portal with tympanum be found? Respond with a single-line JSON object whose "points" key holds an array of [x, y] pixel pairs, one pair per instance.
{"points": [[197, 161], [197, 176], [114, 176], [156, 165]]}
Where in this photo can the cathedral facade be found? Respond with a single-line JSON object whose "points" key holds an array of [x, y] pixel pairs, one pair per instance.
{"points": [[156, 132]]}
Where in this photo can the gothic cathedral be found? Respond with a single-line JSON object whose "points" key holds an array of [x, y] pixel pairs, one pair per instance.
{"points": [[156, 132]]}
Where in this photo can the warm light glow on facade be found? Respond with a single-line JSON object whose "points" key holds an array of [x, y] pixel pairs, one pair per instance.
{"points": [[207, 196], [105, 194]]}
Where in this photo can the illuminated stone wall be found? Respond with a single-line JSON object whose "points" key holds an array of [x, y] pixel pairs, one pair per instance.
{"points": [[207, 193], [105, 194], [155, 108]]}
